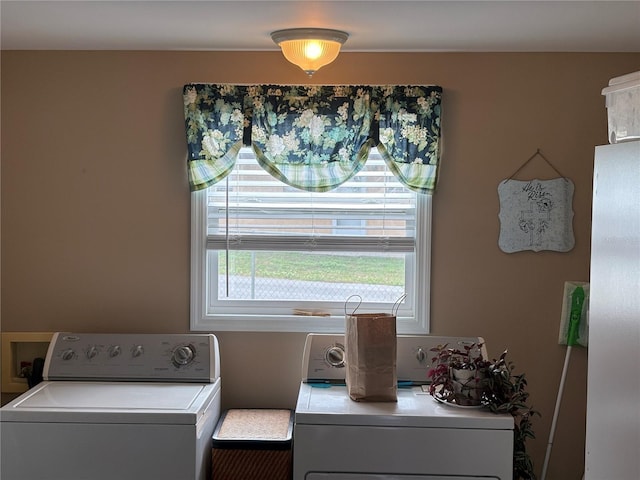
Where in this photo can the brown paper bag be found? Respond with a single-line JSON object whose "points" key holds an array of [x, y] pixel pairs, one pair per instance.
{"points": [[370, 357]]}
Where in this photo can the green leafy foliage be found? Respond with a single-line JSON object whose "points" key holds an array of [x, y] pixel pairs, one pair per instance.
{"points": [[506, 393], [502, 392]]}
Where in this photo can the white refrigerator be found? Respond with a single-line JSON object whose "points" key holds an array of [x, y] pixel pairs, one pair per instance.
{"points": [[613, 391]]}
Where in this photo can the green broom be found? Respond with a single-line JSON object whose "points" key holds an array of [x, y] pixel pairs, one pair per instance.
{"points": [[573, 331]]}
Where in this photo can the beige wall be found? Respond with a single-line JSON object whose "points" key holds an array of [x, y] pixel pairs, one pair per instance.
{"points": [[95, 204]]}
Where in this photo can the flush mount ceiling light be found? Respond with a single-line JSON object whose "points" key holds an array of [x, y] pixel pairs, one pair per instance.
{"points": [[310, 48]]}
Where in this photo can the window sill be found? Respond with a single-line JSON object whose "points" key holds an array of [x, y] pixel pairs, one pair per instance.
{"points": [[292, 323]]}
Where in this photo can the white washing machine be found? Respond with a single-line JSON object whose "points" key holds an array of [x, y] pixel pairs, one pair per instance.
{"points": [[415, 438], [116, 406]]}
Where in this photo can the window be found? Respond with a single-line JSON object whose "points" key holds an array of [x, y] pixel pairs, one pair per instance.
{"points": [[269, 257]]}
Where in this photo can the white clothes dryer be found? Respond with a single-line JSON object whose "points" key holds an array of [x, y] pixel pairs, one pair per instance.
{"points": [[116, 406], [415, 438]]}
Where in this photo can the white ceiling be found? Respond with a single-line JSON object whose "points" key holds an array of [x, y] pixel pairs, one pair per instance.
{"points": [[373, 25]]}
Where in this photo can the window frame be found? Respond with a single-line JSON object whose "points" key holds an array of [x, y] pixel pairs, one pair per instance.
{"points": [[200, 320]]}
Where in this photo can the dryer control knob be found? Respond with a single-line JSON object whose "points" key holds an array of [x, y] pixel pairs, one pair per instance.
{"points": [[335, 356], [421, 355], [183, 355]]}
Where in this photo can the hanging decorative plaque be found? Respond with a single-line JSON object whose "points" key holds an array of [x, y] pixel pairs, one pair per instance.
{"points": [[536, 215]]}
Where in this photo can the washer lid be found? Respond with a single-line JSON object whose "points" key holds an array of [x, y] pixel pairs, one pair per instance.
{"points": [[331, 405], [112, 402]]}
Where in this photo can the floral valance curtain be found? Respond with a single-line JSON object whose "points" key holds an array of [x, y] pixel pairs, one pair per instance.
{"points": [[313, 137]]}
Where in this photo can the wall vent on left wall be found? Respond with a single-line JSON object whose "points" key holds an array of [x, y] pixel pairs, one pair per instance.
{"points": [[19, 349]]}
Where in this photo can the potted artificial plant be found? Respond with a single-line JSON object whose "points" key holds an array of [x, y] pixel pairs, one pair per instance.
{"points": [[463, 377], [459, 376]]}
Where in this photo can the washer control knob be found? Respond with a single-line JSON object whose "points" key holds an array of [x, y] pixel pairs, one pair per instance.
{"points": [[137, 351], [68, 354], [92, 352], [335, 356], [183, 355], [114, 351]]}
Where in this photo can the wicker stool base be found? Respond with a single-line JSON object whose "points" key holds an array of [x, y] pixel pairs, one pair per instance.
{"points": [[253, 444], [229, 464]]}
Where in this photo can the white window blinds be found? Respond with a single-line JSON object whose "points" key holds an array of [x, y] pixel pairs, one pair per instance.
{"points": [[251, 210]]}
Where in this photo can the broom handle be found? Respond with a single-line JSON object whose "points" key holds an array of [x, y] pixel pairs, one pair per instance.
{"points": [[555, 413]]}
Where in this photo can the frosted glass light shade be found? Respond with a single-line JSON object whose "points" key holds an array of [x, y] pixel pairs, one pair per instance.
{"points": [[310, 48]]}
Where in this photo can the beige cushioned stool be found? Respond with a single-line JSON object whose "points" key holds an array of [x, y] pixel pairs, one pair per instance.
{"points": [[253, 444]]}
